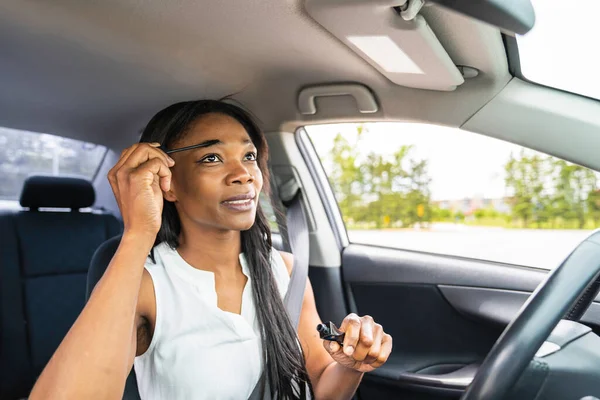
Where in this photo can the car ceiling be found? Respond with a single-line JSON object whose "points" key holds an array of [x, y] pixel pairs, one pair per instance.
{"points": [[98, 70]]}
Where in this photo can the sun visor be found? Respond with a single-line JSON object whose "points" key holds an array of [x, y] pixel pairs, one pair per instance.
{"points": [[407, 52]]}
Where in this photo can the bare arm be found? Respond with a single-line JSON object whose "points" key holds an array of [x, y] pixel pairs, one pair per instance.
{"points": [[96, 355]]}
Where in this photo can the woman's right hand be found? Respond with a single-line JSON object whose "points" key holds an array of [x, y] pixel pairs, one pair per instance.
{"points": [[138, 180]]}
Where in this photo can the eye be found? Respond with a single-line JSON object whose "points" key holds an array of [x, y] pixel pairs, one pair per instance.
{"points": [[210, 158], [250, 156]]}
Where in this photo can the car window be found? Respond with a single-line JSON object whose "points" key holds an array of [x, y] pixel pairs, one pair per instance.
{"points": [[24, 153], [549, 56], [446, 191]]}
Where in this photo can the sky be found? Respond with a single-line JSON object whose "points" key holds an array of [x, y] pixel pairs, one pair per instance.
{"points": [[559, 51]]}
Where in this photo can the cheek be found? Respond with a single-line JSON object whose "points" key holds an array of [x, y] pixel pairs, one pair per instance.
{"points": [[196, 185], [258, 179], [204, 187]]}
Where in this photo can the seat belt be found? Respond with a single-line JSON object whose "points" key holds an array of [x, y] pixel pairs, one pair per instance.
{"points": [[297, 229]]}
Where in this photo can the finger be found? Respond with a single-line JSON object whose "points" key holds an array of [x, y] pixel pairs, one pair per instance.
{"points": [[365, 338], [132, 158], [351, 328], [164, 176], [332, 347], [125, 155], [386, 350], [145, 152], [376, 348], [112, 174], [156, 167]]}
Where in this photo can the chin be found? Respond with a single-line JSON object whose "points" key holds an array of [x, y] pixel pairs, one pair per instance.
{"points": [[243, 224], [246, 228]]}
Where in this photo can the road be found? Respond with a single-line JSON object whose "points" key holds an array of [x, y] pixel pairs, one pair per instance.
{"points": [[529, 247]]}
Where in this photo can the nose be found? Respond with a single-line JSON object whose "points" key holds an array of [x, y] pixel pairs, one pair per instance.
{"points": [[239, 174]]}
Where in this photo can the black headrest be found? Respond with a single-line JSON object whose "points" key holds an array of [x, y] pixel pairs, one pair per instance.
{"points": [[57, 192]]}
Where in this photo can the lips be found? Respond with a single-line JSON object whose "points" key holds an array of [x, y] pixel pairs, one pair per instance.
{"points": [[241, 202], [241, 197]]}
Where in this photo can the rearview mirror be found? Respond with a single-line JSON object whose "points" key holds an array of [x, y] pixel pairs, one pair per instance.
{"points": [[514, 16]]}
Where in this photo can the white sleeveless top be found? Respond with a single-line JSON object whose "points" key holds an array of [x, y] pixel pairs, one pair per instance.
{"points": [[199, 351]]}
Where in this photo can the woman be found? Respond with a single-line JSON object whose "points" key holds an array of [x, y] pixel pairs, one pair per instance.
{"points": [[203, 315]]}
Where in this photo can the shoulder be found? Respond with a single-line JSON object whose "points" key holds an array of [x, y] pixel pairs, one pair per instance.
{"points": [[288, 260]]}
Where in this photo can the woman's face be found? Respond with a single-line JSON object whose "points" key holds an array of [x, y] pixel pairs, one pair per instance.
{"points": [[216, 186]]}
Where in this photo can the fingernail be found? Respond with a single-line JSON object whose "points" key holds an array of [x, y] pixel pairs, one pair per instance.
{"points": [[334, 346], [349, 350], [155, 144], [171, 160]]}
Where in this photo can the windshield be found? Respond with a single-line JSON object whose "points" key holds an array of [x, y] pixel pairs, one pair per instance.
{"points": [[560, 51]]}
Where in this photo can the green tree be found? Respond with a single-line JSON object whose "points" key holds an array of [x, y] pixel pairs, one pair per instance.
{"points": [[440, 214], [418, 197], [480, 213], [593, 206], [399, 187], [346, 177], [572, 185], [526, 176], [377, 189]]}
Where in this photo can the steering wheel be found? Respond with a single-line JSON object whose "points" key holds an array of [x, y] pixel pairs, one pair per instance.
{"points": [[519, 342]]}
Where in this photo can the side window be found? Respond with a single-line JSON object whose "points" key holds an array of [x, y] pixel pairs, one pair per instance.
{"points": [[446, 191], [25, 153]]}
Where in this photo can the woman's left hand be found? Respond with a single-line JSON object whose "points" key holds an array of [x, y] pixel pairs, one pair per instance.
{"points": [[366, 345]]}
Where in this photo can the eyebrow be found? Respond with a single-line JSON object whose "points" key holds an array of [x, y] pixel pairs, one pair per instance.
{"points": [[206, 143]]}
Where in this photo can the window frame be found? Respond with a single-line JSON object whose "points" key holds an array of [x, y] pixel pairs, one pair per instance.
{"points": [[324, 189]]}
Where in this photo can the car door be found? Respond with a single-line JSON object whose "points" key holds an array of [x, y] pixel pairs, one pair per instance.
{"points": [[433, 241]]}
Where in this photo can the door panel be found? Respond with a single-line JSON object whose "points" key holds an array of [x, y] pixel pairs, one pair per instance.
{"points": [[500, 306], [427, 331], [362, 263], [431, 339], [444, 313]]}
